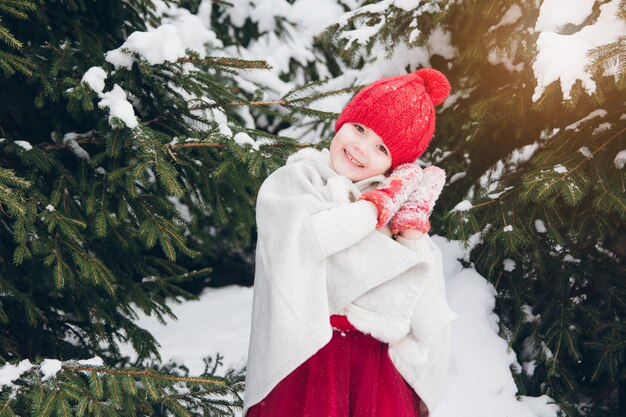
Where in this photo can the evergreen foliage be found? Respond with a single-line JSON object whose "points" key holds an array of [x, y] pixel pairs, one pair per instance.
{"points": [[103, 216], [10, 62], [545, 213], [79, 389]]}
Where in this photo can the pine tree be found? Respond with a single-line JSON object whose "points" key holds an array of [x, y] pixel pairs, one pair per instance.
{"points": [[540, 181], [110, 208]]}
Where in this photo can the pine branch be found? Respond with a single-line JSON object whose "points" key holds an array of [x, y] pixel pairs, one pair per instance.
{"points": [[143, 372], [10, 64], [79, 389], [9, 39], [226, 62]]}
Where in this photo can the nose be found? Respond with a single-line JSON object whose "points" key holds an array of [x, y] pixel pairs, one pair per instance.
{"points": [[360, 147], [365, 145]]}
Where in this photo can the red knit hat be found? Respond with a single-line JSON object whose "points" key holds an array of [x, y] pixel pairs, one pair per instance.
{"points": [[401, 110]]}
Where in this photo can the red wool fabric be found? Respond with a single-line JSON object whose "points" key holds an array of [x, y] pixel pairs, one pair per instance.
{"points": [[352, 376]]}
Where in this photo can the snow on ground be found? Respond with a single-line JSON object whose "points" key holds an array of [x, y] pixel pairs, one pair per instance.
{"points": [[479, 383], [218, 323]]}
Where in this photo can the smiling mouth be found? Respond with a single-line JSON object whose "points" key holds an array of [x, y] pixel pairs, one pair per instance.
{"points": [[352, 159]]}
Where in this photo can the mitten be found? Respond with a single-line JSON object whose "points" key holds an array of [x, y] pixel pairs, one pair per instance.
{"points": [[419, 205], [393, 192]]}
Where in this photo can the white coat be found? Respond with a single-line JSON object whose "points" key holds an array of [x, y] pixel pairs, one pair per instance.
{"points": [[318, 253]]}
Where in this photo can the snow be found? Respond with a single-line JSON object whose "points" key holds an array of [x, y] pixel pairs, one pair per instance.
{"points": [[586, 152], [23, 144], [95, 77], [508, 265], [70, 138], [480, 364], [552, 18], [620, 159], [529, 317], [505, 57], [313, 16], [498, 194], [457, 176], [407, 5], [540, 226], [167, 43], [547, 134], [570, 258], [564, 57], [183, 209], [511, 16], [546, 351], [496, 57], [363, 34], [440, 43], [220, 118], [49, 368], [243, 139], [601, 128], [464, 205], [95, 361], [507, 228], [237, 13], [490, 180], [10, 372], [529, 367], [300, 22], [375, 8], [560, 169], [119, 107], [592, 115], [192, 32], [218, 322], [480, 359]]}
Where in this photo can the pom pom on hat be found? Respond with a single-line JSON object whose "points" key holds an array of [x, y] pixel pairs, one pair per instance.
{"points": [[435, 83], [400, 110]]}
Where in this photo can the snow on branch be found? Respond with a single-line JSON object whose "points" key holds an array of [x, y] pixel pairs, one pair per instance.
{"points": [[565, 57]]}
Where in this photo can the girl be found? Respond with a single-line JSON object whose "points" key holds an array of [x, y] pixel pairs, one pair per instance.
{"points": [[349, 316]]}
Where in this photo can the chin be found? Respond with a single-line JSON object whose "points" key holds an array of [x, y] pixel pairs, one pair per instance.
{"points": [[342, 170]]}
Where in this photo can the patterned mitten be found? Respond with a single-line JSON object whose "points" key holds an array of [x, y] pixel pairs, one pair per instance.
{"points": [[393, 192], [416, 210]]}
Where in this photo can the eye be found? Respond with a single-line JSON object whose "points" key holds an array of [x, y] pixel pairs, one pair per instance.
{"points": [[382, 148], [359, 128]]}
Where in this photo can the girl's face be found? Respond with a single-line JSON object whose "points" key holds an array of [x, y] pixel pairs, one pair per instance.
{"points": [[356, 152]]}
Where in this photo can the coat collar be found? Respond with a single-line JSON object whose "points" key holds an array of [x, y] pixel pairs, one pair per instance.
{"points": [[321, 160]]}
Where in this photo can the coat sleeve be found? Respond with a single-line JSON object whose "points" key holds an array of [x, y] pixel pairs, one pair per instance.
{"points": [[422, 356], [343, 226]]}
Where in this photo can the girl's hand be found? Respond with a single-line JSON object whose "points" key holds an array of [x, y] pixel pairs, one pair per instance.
{"points": [[414, 214], [389, 196], [411, 234]]}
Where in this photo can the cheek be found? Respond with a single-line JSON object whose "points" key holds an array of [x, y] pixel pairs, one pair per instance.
{"points": [[333, 146], [385, 163]]}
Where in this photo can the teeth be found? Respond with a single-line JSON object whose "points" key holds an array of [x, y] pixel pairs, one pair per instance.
{"points": [[352, 159]]}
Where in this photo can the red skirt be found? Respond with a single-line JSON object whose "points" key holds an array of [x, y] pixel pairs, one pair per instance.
{"points": [[352, 376]]}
